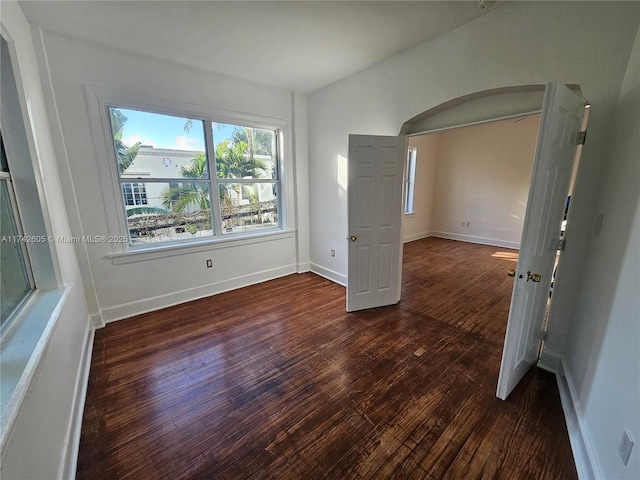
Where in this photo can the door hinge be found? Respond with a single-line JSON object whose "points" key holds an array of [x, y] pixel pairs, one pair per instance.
{"points": [[581, 137], [561, 244]]}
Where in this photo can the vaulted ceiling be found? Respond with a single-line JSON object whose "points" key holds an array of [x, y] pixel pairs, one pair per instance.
{"points": [[295, 45]]}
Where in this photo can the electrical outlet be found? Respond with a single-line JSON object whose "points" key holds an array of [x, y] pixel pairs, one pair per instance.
{"points": [[209, 263], [626, 445], [333, 253]]}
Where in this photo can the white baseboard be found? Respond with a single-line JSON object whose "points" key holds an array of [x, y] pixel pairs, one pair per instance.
{"points": [[549, 361], [72, 442], [96, 320], [304, 267], [329, 274], [581, 444], [473, 239], [416, 236], [131, 309]]}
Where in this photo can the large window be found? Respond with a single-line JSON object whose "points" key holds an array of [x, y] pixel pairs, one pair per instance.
{"points": [[184, 178], [15, 275]]}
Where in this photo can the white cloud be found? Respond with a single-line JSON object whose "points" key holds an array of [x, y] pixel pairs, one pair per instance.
{"points": [[133, 139], [183, 142]]}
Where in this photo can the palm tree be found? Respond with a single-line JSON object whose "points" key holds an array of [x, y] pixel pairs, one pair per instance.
{"points": [[126, 155], [179, 198], [234, 161]]}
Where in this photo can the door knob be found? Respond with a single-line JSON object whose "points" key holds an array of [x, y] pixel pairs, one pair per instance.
{"points": [[353, 238], [535, 277], [511, 273]]}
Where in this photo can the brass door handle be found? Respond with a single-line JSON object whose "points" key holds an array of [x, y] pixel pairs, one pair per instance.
{"points": [[535, 277], [511, 273], [353, 238]]}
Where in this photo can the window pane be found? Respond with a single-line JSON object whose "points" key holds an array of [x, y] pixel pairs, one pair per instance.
{"points": [[173, 211], [244, 152], [14, 281], [248, 206], [158, 146]]}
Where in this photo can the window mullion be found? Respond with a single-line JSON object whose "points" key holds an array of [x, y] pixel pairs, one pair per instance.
{"points": [[214, 194]]}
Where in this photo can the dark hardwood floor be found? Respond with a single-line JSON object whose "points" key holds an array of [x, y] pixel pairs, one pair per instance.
{"points": [[277, 381]]}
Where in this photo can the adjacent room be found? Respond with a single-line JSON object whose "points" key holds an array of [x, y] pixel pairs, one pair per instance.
{"points": [[178, 244]]}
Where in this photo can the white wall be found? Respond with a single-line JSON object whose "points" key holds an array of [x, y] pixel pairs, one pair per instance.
{"points": [[482, 177], [517, 44], [121, 290], [602, 358], [520, 43], [418, 224], [40, 441]]}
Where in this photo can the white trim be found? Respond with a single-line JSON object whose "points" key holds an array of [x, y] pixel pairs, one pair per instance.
{"points": [[72, 440], [46, 305], [473, 239], [581, 445], [159, 302], [329, 274], [478, 122], [304, 267], [99, 98], [549, 361], [417, 236], [96, 320], [211, 243]]}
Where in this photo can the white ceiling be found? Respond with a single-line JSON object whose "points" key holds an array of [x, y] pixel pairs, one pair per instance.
{"points": [[295, 45]]}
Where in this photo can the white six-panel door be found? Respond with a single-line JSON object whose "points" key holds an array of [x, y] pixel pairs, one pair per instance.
{"points": [[560, 123], [375, 214]]}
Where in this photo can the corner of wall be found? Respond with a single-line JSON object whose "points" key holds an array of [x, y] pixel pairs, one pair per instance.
{"points": [[581, 444]]}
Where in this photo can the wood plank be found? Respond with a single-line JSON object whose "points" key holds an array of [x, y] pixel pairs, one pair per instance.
{"points": [[278, 381]]}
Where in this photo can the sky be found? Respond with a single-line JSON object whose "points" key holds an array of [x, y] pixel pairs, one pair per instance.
{"points": [[164, 131]]}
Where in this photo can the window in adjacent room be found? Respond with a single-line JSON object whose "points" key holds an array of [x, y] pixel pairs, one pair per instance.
{"points": [[185, 178], [410, 180]]}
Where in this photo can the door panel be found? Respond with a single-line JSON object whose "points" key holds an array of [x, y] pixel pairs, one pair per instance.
{"points": [[375, 215], [556, 147]]}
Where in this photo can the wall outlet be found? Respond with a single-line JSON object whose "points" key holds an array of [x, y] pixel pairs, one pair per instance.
{"points": [[209, 263], [333, 253], [626, 445], [466, 224]]}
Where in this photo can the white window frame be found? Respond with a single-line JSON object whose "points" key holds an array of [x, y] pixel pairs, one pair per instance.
{"points": [[410, 180], [138, 187], [9, 323], [99, 100]]}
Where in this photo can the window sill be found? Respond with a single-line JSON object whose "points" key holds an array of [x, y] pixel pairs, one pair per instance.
{"points": [[22, 349], [409, 215], [141, 254]]}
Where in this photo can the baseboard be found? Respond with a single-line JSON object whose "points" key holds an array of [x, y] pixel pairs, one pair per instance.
{"points": [[549, 361], [329, 274], [96, 320], [304, 267], [72, 442], [131, 309], [416, 236], [581, 445], [495, 242]]}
